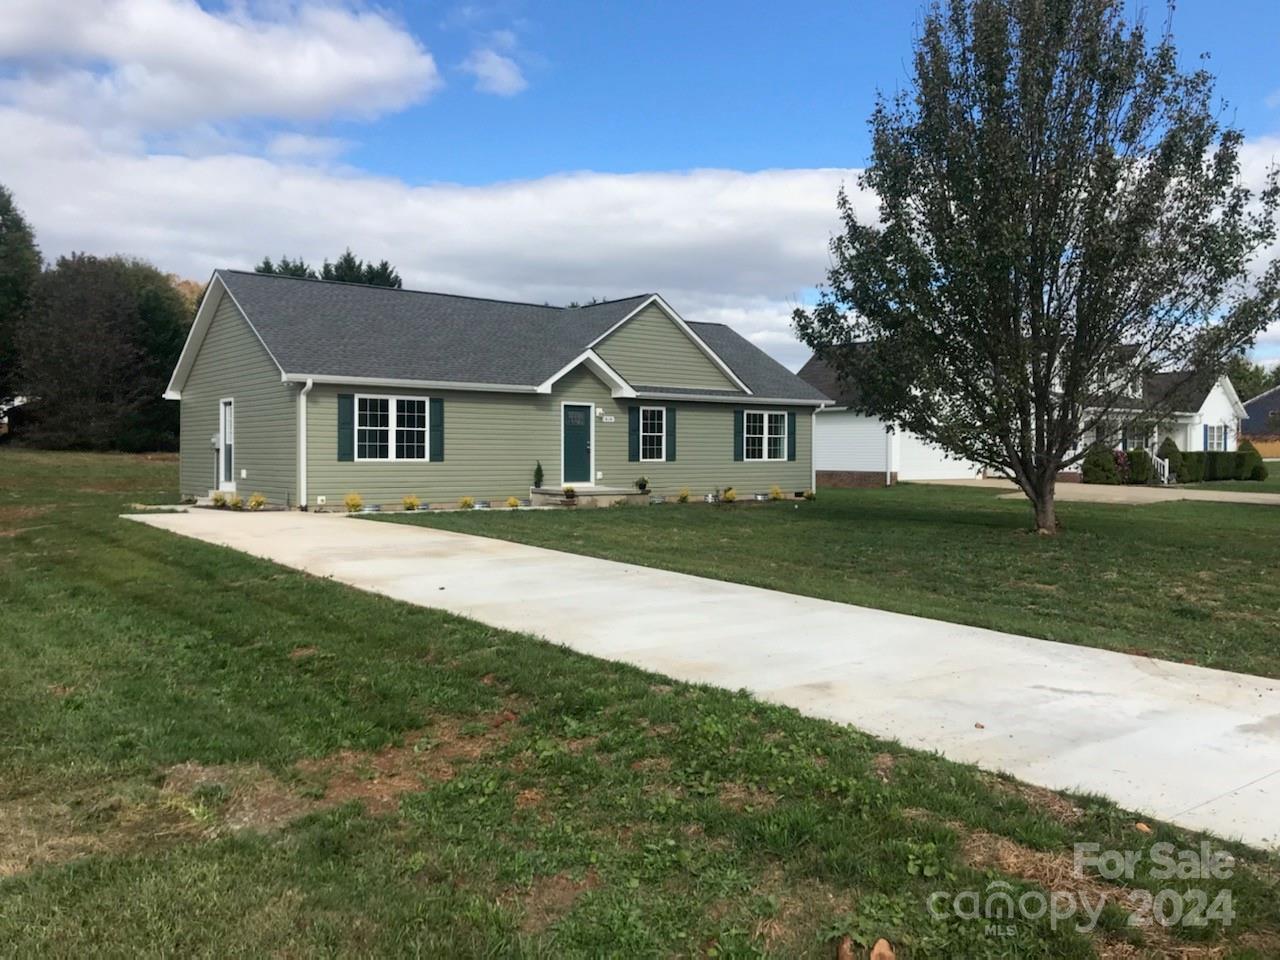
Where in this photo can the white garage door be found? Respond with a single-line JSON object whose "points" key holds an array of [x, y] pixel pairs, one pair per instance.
{"points": [[918, 460]]}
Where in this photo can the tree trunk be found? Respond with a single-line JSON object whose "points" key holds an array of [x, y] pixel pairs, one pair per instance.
{"points": [[1041, 495]]}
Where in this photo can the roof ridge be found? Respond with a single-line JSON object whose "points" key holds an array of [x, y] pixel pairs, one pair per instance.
{"points": [[430, 293]]}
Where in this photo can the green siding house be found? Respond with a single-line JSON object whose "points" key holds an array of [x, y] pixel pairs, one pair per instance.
{"points": [[305, 390]]}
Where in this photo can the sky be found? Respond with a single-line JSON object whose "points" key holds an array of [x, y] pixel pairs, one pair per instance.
{"points": [[549, 152]]}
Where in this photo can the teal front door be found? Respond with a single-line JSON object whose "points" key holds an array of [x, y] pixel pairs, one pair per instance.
{"points": [[576, 456]]}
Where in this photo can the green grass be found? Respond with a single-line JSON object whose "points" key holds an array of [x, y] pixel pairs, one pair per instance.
{"points": [[206, 754], [1269, 485], [1181, 581]]}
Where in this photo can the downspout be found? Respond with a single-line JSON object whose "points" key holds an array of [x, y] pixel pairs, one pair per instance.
{"points": [[813, 441], [888, 457], [302, 443]]}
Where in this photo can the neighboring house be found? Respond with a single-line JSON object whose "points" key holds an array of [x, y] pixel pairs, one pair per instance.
{"points": [[1198, 412], [1262, 415], [852, 449], [305, 390]]}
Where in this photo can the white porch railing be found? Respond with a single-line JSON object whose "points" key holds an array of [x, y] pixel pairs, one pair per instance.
{"points": [[1162, 468]]}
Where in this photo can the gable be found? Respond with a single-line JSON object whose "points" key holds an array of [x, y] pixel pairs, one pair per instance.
{"points": [[229, 355], [651, 350]]}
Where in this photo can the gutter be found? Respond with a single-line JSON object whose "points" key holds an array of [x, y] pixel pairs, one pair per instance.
{"points": [[302, 443]]}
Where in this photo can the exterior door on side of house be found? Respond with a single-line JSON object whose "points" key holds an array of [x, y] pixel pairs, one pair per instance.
{"points": [[575, 455], [226, 445]]}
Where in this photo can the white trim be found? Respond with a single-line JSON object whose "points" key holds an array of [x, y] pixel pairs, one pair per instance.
{"points": [[226, 404], [200, 329], [591, 407], [415, 384], [663, 434], [704, 398], [393, 425], [1230, 390], [685, 329], [596, 364], [302, 443], [764, 442]]}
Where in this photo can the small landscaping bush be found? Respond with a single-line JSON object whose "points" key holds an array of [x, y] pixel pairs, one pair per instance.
{"points": [[642, 484], [1259, 472], [513, 502], [729, 495], [775, 492], [1192, 469], [810, 495], [219, 500], [1100, 465], [683, 495], [353, 502], [410, 502], [1169, 451], [236, 502], [537, 474], [1140, 467], [467, 503], [257, 501]]}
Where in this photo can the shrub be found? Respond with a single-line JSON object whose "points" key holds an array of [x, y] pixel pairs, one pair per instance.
{"points": [[1248, 459], [729, 495], [537, 474], [1220, 465], [257, 501], [410, 502], [1121, 459], [236, 502], [1192, 470], [219, 500], [775, 492], [1169, 451], [513, 502], [683, 495], [467, 503], [1259, 472], [1100, 465], [1140, 467], [810, 495], [570, 493], [642, 484], [353, 502]]}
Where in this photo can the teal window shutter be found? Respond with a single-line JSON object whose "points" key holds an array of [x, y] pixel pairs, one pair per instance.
{"points": [[346, 426], [436, 416], [671, 433], [791, 434], [738, 416], [633, 434]]}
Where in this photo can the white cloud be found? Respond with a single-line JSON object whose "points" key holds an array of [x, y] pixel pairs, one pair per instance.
{"points": [[495, 73], [163, 64], [722, 245], [301, 146]]}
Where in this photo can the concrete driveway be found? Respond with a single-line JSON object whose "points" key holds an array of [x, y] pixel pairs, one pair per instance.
{"points": [[1194, 746], [1102, 493]]}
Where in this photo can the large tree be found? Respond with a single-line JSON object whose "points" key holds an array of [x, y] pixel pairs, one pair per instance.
{"points": [[97, 348], [19, 269], [1060, 213]]}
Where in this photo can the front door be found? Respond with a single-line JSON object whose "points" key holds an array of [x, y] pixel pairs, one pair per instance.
{"points": [[226, 445], [576, 451]]}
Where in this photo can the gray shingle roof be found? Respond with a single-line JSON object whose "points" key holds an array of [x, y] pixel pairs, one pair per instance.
{"points": [[323, 328], [822, 377]]}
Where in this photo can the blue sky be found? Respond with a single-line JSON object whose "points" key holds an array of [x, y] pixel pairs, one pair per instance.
{"points": [[548, 152]]}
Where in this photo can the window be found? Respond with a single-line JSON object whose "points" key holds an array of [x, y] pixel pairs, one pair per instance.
{"points": [[764, 435], [653, 433], [379, 420], [1217, 438]]}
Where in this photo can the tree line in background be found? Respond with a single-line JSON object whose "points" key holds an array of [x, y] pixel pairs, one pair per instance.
{"points": [[88, 343]]}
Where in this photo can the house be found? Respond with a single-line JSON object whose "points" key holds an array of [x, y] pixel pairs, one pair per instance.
{"points": [[305, 390], [853, 449], [1262, 422]]}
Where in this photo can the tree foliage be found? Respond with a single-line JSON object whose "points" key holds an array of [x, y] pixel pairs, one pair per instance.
{"points": [[19, 269], [348, 268], [1060, 213], [1249, 378], [97, 347]]}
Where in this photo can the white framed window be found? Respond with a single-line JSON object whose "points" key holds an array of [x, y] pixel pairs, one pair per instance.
{"points": [[391, 428], [764, 435], [1217, 437], [653, 433]]}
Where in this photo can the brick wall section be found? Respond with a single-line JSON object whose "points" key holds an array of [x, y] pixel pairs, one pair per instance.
{"points": [[853, 478]]}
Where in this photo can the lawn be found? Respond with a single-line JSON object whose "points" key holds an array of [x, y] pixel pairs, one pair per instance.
{"points": [[206, 754], [1191, 582], [1269, 485]]}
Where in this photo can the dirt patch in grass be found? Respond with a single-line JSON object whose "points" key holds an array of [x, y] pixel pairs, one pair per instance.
{"points": [[801, 907], [302, 653], [1054, 804], [745, 796], [12, 518], [551, 897], [651, 765], [883, 764]]}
